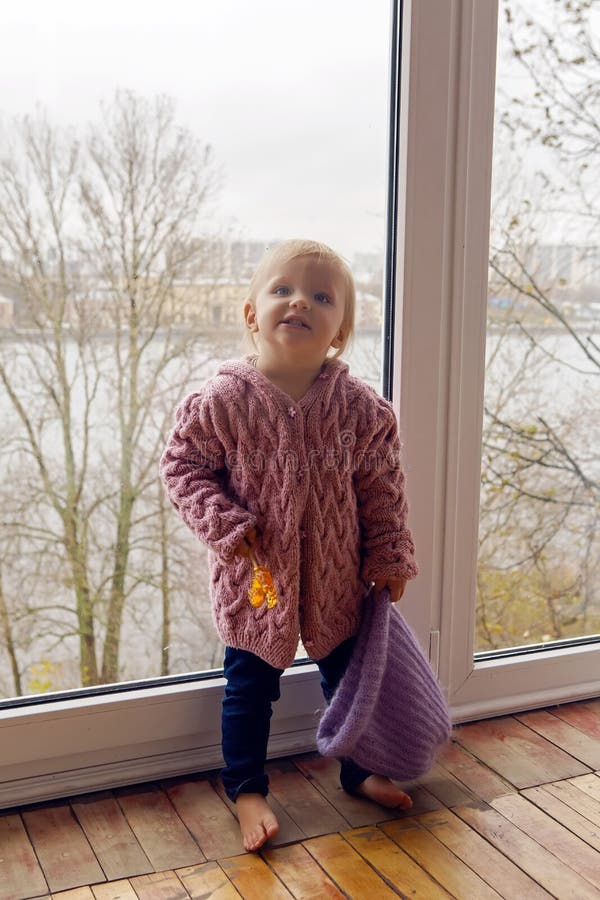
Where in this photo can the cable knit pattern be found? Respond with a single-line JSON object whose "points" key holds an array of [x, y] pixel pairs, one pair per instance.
{"points": [[321, 481]]}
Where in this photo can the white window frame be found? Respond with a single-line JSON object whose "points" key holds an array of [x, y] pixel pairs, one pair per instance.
{"points": [[448, 119], [70, 746]]}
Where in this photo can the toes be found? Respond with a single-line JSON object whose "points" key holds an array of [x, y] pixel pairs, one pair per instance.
{"points": [[383, 791], [271, 827], [257, 838], [254, 840]]}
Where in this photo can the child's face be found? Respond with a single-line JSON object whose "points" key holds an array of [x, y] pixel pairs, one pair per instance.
{"points": [[298, 309]]}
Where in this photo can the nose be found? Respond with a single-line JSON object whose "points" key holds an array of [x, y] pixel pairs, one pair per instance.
{"points": [[299, 300]]}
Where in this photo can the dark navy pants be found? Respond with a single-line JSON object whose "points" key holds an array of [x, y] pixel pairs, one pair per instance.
{"points": [[252, 687]]}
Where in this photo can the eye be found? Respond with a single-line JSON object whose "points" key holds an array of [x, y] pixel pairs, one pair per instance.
{"points": [[322, 298], [282, 290]]}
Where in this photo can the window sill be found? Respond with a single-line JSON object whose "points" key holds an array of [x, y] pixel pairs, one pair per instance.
{"points": [[497, 687], [74, 746]]}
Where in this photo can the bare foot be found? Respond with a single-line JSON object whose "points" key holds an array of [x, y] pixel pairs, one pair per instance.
{"points": [[383, 791], [257, 820]]}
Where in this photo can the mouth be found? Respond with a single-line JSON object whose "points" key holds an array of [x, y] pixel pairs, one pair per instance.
{"points": [[295, 322]]}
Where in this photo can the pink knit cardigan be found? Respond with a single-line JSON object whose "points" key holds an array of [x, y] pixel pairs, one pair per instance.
{"points": [[320, 479]]}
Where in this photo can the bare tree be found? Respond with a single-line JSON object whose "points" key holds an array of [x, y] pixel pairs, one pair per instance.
{"points": [[100, 238], [541, 481]]}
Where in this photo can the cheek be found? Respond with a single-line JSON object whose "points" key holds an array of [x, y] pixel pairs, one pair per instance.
{"points": [[263, 315], [338, 322]]}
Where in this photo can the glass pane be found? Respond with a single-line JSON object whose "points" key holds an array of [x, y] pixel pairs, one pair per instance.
{"points": [[539, 553], [145, 165]]}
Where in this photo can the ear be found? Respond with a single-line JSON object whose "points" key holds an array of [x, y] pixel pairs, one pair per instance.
{"points": [[250, 316], [338, 339]]}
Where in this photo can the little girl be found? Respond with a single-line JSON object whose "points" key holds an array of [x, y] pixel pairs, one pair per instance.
{"points": [[286, 458]]}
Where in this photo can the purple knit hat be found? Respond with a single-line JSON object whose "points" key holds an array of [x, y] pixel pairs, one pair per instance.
{"points": [[388, 713]]}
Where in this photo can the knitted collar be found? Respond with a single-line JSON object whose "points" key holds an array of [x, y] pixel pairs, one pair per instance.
{"points": [[332, 370]]}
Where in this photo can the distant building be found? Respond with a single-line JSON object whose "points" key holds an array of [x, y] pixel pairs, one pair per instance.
{"points": [[209, 293], [367, 267], [214, 258], [214, 304], [7, 312], [368, 310], [568, 274], [245, 257], [208, 303], [560, 265]]}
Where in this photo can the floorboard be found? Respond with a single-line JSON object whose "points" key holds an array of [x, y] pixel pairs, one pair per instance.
{"points": [[347, 868], [517, 753], [578, 800], [511, 809], [64, 854], [20, 872], [82, 893], [532, 857], [162, 835], [562, 843], [209, 820], [159, 886], [585, 716], [447, 789], [474, 774], [396, 866], [562, 734], [570, 818], [303, 803], [110, 837], [208, 880], [589, 784], [114, 890], [441, 863], [488, 862], [301, 874], [253, 878]]}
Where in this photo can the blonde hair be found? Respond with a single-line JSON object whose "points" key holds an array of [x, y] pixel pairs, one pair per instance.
{"points": [[295, 248]]}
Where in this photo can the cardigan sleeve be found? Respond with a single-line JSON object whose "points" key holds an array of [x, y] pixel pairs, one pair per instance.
{"points": [[193, 470], [386, 542]]}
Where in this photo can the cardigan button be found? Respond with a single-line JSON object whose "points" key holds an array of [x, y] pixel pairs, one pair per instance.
{"points": [[292, 411]]}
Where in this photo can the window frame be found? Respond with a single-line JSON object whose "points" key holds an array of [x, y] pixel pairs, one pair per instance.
{"points": [[449, 123]]}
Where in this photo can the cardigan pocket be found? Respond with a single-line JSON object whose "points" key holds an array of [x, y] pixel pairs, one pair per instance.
{"points": [[230, 584]]}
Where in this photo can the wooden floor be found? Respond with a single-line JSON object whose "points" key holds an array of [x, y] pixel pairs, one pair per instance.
{"points": [[511, 810]]}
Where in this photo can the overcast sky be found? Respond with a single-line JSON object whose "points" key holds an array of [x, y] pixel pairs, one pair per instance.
{"points": [[291, 95]]}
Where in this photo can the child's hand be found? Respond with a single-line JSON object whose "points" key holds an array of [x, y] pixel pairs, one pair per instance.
{"points": [[395, 586], [246, 543]]}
